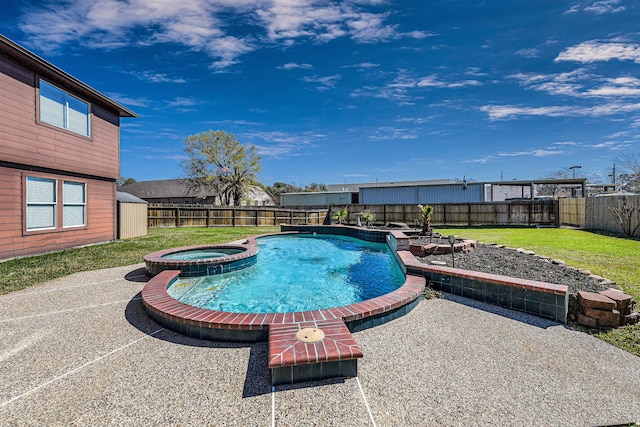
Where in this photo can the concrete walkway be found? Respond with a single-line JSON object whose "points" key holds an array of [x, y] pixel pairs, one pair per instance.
{"points": [[81, 351]]}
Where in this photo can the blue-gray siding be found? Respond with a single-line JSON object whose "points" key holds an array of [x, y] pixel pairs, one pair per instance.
{"points": [[426, 194]]}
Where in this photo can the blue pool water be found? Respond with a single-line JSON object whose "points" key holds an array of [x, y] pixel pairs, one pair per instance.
{"points": [[298, 273]]}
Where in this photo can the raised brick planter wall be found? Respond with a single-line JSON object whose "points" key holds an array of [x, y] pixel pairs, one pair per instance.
{"points": [[539, 298]]}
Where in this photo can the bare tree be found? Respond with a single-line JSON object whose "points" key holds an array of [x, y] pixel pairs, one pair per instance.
{"points": [[630, 179]]}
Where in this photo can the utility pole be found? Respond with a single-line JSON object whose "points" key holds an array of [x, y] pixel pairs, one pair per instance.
{"points": [[613, 174], [573, 168]]}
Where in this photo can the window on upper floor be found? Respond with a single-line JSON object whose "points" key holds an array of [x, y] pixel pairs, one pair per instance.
{"points": [[64, 110]]}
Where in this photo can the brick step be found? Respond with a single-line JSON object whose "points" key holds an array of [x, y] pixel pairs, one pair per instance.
{"points": [[312, 350]]}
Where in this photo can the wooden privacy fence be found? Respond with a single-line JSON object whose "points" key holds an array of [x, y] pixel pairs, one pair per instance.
{"points": [[594, 213], [160, 215], [521, 212]]}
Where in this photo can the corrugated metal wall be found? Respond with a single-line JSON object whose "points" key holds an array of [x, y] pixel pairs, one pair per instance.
{"points": [[132, 220], [425, 194], [315, 199]]}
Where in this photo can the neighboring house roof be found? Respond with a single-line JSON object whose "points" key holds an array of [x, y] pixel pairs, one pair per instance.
{"points": [[128, 198], [179, 188], [163, 189], [48, 70]]}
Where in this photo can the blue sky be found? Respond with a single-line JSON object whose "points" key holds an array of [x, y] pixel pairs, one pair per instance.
{"points": [[358, 90]]}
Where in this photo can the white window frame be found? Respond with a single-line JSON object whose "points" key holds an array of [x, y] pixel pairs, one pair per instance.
{"points": [[74, 204], [34, 203], [68, 113]]}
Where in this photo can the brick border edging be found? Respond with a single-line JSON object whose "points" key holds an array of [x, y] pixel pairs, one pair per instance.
{"points": [[246, 327]]}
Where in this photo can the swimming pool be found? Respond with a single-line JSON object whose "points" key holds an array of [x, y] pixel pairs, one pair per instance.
{"points": [[298, 273], [252, 326]]}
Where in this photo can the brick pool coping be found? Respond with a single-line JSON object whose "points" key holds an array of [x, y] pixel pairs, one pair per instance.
{"points": [[211, 324]]}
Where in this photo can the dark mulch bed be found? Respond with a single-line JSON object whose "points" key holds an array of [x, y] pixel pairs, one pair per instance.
{"points": [[509, 262]]}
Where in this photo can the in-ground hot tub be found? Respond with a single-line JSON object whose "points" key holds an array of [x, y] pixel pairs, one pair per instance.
{"points": [[203, 260]]}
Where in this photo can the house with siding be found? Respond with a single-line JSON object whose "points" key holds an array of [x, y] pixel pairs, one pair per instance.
{"points": [[59, 157]]}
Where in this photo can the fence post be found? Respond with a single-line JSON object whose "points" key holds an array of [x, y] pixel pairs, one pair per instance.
{"points": [[177, 217]]}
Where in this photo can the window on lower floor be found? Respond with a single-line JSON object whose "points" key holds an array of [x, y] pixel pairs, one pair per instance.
{"points": [[53, 203], [42, 206], [74, 203]]}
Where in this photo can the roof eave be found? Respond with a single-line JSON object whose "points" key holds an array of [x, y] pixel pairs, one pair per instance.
{"points": [[34, 59]]}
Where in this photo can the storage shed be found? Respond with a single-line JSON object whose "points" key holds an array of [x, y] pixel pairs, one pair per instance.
{"points": [[132, 216]]}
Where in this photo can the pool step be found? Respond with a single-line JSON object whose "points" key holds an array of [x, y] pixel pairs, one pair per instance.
{"points": [[312, 350]]}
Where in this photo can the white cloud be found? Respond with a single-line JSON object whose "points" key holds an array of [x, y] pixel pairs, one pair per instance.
{"points": [[594, 51], [281, 144], [180, 101], [528, 53], [605, 6], [567, 143], [506, 112], [127, 100], [152, 77], [432, 81], [293, 66], [599, 7], [575, 83], [613, 145], [536, 152], [203, 25], [324, 82], [404, 89], [362, 65], [387, 133]]}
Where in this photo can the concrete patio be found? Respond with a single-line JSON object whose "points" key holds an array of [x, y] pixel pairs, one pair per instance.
{"points": [[82, 351]]}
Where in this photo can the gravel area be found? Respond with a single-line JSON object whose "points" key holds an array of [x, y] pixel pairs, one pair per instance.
{"points": [[511, 262]]}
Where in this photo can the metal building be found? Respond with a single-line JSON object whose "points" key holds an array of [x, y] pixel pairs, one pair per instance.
{"points": [[321, 198], [429, 194]]}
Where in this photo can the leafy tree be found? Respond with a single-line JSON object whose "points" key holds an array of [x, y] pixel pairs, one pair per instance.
{"points": [[341, 216], [282, 187], [427, 212], [124, 181], [218, 162], [315, 187], [279, 188]]}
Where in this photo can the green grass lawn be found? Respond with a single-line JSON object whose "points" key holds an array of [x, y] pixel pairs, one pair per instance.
{"points": [[21, 273], [615, 258]]}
